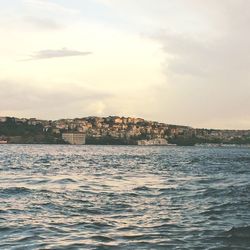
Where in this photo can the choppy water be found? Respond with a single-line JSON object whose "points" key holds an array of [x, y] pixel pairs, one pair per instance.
{"points": [[124, 197]]}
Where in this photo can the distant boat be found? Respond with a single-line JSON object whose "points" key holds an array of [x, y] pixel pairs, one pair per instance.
{"points": [[3, 142]]}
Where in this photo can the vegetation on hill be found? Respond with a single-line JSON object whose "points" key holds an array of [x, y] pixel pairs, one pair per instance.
{"points": [[27, 134]]}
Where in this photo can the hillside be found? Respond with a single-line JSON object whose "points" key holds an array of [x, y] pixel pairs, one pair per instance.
{"points": [[113, 130]]}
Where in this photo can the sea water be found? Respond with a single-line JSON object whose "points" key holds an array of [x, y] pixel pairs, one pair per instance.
{"points": [[124, 197]]}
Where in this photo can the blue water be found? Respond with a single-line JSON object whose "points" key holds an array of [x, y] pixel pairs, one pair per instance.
{"points": [[124, 197]]}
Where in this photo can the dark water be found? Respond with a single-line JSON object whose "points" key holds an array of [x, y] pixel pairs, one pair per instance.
{"points": [[103, 197]]}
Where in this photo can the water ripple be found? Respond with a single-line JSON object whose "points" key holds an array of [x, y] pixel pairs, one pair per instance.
{"points": [[124, 197]]}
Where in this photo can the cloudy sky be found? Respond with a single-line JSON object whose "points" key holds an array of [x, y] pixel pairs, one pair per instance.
{"points": [[175, 61]]}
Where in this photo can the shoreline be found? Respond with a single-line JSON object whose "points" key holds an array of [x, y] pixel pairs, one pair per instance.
{"points": [[135, 145]]}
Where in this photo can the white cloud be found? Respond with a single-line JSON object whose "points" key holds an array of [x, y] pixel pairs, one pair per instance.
{"points": [[209, 75], [51, 6], [49, 54], [42, 23], [53, 101], [190, 66], [206, 45]]}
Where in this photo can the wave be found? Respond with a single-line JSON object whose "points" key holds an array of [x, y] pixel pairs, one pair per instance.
{"points": [[142, 188], [15, 190], [124, 198], [238, 233], [5, 229], [101, 238], [64, 181]]}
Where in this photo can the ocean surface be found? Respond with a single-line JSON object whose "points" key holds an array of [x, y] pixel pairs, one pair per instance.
{"points": [[124, 197]]}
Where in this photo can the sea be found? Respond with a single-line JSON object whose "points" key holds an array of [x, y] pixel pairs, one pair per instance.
{"points": [[124, 197]]}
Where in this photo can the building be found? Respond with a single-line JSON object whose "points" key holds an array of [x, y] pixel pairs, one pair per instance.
{"points": [[56, 130], [74, 138], [3, 119], [152, 142], [118, 120], [3, 140]]}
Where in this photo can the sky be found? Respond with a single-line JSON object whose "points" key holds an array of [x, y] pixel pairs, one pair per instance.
{"points": [[181, 62]]}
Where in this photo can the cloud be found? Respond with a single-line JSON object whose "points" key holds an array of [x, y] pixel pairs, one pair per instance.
{"points": [[206, 47], [50, 6], [208, 74], [203, 54], [58, 100], [49, 54], [42, 23]]}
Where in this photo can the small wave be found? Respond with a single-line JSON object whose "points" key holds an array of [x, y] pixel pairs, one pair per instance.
{"points": [[91, 211], [142, 188], [213, 212], [58, 228], [40, 181], [135, 237], [15, 190], [195, 160], [239, 233], [217, 210], [29, 238], [2, 212], [91, 226], [65, 181], [5, 229], [244, 159], [128, 228], [42, 160], [101, 238], [173, 188]]}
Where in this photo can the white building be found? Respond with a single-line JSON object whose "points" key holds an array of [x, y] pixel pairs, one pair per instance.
{"points": [[3, 119], [157, 141], [74, 138]]}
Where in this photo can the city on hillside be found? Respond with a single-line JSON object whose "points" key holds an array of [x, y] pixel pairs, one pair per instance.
{"points": [[113, 130]]}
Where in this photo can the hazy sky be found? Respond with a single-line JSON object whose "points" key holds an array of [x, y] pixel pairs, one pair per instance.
{"points": [[176, 61]]}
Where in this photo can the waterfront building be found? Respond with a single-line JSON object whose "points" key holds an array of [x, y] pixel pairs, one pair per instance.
{"points": [[3, 119], [3, 140], [74, 138], [156, 141]]}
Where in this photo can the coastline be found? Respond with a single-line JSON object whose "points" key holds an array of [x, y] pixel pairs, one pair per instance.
{"points": [[113, 130]]}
